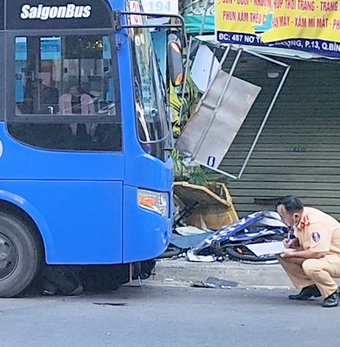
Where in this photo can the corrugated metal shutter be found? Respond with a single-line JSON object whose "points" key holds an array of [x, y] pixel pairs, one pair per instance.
{"points": [[298, 151]]}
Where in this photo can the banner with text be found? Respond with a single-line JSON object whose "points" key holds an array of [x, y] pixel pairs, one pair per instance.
{"points": [[236, 20], [309, 25]]}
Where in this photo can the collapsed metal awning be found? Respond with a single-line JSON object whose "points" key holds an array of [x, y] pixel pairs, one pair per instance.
{"points": [[209, 133], [266, 50]]}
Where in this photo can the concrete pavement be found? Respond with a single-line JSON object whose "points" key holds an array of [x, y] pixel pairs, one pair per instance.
{"points": [[169, 317]]}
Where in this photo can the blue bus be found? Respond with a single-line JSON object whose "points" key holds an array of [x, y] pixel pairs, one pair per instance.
{"points": [[86, 173]]}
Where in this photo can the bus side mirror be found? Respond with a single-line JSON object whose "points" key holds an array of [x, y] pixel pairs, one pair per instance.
{"points": [[175, 60]]}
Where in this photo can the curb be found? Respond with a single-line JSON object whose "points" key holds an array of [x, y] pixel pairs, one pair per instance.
{"points": [[180, 272], [182, 284]]}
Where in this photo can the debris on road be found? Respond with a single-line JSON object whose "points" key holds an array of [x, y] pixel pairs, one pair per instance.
{"points": [[213, 282]]}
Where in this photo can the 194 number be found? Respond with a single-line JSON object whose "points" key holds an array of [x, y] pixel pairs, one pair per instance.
{"points": [[160, 6]]}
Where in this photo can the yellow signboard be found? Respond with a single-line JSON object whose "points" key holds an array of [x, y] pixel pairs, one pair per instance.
{"points": [[314, 23], [240, 16], [304, 19]]}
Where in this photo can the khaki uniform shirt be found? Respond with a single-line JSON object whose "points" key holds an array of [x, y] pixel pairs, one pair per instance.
{"points": [[319, 232]]}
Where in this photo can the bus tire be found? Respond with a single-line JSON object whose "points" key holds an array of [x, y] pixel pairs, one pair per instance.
{"points": [[20, 255]]}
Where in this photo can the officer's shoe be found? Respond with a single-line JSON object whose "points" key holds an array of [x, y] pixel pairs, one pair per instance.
{"points": [[332, 300], [306, 293]]}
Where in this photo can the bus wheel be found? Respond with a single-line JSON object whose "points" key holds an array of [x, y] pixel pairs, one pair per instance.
{"points": [[19, 256]]}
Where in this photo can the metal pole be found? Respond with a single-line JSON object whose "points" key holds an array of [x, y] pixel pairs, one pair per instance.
{"points": [[220, 172], [184, 83], [264, 120], [149, 14], [229, 78], [211, 65], [225, 54], [203, 17], [218, 102], [130, 273], [265, 58]]}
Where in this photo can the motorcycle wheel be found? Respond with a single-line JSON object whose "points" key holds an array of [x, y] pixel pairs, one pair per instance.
{"points": [[243, 253]]}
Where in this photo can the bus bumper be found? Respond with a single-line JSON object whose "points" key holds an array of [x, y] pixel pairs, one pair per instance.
{"points": [[146, 234]]}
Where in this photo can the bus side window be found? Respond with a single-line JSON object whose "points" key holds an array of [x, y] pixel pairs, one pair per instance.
{"points": [[57, 78]]}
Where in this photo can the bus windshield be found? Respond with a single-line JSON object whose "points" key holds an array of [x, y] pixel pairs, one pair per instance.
{"points": [[149, 92]]}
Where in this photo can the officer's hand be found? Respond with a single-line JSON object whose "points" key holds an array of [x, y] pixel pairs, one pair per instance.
{"points": [[288, 253], [288, 243]]}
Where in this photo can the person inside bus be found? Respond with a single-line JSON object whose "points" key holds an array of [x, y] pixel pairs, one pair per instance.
{"points": [[40, 98], [76, 102]]}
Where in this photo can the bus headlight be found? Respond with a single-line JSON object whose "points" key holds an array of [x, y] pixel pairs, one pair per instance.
{"points": [[154, 201]]}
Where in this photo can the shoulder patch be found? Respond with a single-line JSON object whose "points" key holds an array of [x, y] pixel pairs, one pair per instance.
{"points": [[316, 237]]}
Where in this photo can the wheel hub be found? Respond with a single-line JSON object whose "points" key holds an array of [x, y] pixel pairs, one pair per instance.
{"points": [[8, 256]]}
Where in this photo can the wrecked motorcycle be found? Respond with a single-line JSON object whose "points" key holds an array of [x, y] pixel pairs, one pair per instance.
{"points": [[236, 240]]}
